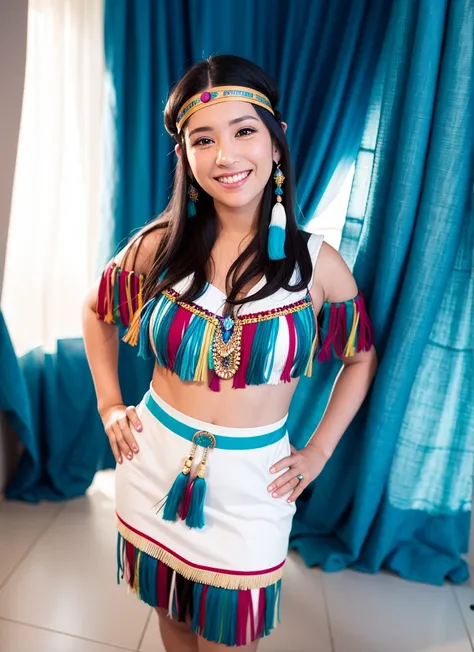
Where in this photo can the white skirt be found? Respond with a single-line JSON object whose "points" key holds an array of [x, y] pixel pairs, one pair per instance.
{"points": [[243, 542]]}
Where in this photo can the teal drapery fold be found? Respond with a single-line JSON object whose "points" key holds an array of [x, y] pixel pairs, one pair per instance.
{"points": [[14, 395], [322, 54], [51, 404], [398, 491]]}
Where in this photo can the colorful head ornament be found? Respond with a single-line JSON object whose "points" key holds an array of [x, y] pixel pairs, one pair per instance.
{"points": [[220, 94], [216, 95]]}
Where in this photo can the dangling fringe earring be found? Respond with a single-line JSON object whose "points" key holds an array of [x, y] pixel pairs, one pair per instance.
{"points": [[277, 227], [193, 197]]}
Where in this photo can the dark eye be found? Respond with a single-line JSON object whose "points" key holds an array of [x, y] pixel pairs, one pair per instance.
{"points": [[246, 131], [202, 142]]}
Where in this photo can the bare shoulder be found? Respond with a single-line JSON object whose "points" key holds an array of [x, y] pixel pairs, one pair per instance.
{"points": [[139, 254], [333, 280]]}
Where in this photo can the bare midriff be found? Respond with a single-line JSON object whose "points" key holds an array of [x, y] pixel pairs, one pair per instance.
{"points": [[253, 406]]}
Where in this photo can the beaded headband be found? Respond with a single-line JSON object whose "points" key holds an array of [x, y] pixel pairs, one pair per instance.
{"points": [[220, 94]]}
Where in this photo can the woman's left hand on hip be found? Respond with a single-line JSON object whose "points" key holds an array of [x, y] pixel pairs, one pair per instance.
{"points": [[302, 468]]}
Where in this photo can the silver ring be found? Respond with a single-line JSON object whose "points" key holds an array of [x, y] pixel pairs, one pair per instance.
{"points": [[300, 477]]}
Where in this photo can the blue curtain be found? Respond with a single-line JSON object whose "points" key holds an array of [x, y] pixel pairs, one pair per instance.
{"points": [[323, 55], [397, 493], [51, 404], [14, 401]]}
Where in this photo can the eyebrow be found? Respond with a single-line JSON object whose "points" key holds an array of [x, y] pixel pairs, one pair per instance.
{"points": [[232, 122]]}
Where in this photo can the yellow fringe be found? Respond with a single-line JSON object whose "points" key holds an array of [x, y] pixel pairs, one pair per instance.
{"points": [[219, 580], [309, 367], [350, 346], [136, 573], [140, 291], [131, 336], [202, 368]]}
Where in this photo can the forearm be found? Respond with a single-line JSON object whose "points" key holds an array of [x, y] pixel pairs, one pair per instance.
{"points": [[101, 344], [349, 391]]}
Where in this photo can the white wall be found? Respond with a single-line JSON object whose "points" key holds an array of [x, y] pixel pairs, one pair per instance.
{"points": [[13, 30]]}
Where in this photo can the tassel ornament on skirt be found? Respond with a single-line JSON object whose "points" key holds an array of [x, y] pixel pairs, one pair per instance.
{"points": [[186, 497]]}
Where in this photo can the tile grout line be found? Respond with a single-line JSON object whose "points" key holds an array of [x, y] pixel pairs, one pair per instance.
{"points": [[56, 631], [25, 555], [458, 603], [326, 608], [140, 642]]}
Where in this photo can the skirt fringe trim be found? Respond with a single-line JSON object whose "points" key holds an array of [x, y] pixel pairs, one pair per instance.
{"points": [[195, 574], [231, 617]]}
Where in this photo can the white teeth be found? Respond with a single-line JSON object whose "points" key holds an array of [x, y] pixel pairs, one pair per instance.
{"points": [[235, 178]]}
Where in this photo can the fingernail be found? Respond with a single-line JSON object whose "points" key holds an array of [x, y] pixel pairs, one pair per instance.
{"points": [[288, 500], [275, 494], [271, 488], [135, 449], [272, 470], [120, 460], [129, 456], [139, 428]]}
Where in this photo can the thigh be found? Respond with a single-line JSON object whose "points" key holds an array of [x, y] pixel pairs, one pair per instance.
{"points": [[177, 637], [208, 646]]}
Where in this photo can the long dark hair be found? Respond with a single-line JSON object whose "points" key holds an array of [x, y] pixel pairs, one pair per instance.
{"points": [[186, 245]]}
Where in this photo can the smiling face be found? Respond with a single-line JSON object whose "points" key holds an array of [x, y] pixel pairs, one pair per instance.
{"points": [[231, 153]]}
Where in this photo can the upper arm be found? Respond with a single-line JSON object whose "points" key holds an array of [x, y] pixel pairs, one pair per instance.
{"points": [[333, 281], [138, 255], [344, 325], [119, 294]]}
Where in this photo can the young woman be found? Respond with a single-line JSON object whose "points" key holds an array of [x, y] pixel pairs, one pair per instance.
{"points": [[234, 303]]}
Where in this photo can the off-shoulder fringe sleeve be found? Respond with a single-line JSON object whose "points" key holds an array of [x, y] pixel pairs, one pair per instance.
{"points": [[120, 299], [345, 329]]}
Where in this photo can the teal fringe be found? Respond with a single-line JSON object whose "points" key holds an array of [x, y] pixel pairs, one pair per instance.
{"points": [[276, 242], [165, 314], [144, 348], [197, 593], [263, 346], [195, 516], [221, 605], [187, 356], [214, 602], [305, 327], [270, 608], [263, 352], [147, 573], [175, 496], [221, 609], [119, 558], [210, 359], [233, 601]]}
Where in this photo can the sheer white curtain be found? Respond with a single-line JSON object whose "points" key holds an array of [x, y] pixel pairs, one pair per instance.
{"points": [[330, 222], [53, 235]]}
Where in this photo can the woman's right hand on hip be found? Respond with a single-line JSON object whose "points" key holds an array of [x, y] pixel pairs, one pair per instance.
{"points": [[117, 420]]}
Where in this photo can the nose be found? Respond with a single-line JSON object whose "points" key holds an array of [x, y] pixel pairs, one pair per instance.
{"points": [[226, 155]]}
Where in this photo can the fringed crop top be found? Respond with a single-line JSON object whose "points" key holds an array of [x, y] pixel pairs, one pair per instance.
{"points": [[271, 341]]}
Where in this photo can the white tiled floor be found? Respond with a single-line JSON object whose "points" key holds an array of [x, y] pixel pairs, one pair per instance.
{"points": [[58, 594]]}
